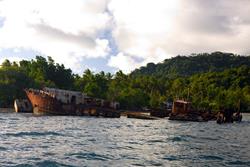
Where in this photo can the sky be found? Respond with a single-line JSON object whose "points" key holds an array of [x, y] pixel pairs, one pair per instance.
{"points": [[112, 35]]}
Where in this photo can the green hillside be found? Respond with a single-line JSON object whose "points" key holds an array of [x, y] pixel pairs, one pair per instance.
{"points": [[193, 64], [209, 81]]}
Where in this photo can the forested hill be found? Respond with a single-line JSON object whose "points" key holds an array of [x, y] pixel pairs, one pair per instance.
{"points": [[193, 64], [221, 87]]}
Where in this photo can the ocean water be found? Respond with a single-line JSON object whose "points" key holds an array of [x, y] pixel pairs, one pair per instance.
{"points": [[26, 140]]}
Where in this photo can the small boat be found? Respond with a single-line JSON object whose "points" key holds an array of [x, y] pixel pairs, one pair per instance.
{"points": [[228, 116], [141, 116], [237, 117]]}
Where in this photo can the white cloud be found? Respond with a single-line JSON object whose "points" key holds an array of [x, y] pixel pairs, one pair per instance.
{"points": [[64, 29], [127, 63], [153, 30], [141, 27], [123, 62], [143, 30]]}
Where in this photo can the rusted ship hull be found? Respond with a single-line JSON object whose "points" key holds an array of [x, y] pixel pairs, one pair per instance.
{"points": [[183, 111], [46, 105]]}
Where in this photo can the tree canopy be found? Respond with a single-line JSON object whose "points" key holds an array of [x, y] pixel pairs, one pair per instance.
{"points": [[209, 81], [193, 64]]}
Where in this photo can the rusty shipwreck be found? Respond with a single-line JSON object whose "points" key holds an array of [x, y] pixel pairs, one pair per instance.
{"points": [[183, 111], [51, 101]]}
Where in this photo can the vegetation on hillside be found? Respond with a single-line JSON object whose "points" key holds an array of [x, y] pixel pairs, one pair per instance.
{"points": [[193, 64], [210, 81]]}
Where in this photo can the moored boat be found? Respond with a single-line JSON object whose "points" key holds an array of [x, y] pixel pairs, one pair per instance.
{"points": [[228, 116]]}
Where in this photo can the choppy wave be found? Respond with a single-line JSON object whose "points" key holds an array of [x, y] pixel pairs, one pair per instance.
{"points": [[80, 141], [21, 134]]}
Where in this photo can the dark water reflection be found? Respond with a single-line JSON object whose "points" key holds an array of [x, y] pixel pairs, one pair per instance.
{"points": [[79, 141]]}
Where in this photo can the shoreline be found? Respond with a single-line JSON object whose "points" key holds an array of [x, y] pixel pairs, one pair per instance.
{"points": [[7, 110]]}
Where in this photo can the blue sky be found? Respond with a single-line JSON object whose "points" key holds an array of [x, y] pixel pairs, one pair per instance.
{"points": [[113, 35]]}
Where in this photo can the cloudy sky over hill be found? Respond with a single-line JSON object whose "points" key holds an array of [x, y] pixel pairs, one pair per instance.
{"points": [[121, 34]]}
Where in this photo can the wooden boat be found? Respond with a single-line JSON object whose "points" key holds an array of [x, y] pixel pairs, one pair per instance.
{"points": [[141, 116]]}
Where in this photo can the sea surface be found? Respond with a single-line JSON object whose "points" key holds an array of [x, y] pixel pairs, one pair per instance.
{"points": [[26, 140]]}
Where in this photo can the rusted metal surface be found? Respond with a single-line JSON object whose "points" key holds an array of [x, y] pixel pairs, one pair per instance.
{"points": [[62, 102], [181, 107], [183, 111], [161, 113], [65, 96], [44, 103]]}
